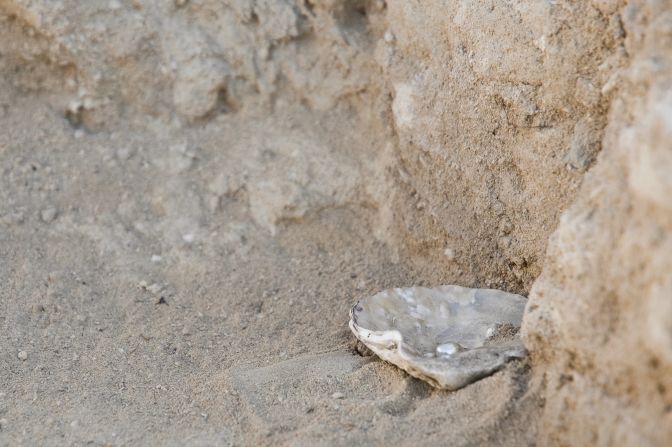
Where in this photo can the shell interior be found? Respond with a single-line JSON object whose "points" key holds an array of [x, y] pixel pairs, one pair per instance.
{"points": [[448, 336]]}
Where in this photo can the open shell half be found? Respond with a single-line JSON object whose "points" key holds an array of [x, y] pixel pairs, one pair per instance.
{"points": [[448, 336]]}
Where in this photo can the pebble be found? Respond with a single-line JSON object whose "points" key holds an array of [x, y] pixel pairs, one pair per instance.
{"points": [[156, 258], [505, 226], [220, 185], [13, 218], [48, 214], [337, 395], [38, 308], [188, 238], [3, 423], [449, 253], [124, 153], [22, 355], [504, 242], [155, 289]]}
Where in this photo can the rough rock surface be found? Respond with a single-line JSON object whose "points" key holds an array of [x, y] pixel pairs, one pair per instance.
{"points": [[599, 319], [179, 177]]}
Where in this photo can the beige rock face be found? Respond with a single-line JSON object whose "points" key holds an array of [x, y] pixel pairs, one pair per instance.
{"points": [[598, 319], [518, 145], [497, 108]]}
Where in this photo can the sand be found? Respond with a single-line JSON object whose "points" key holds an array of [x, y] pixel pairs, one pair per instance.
{"points": [[136, 333]]}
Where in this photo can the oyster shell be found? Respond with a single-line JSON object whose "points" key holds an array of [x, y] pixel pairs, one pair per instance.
{"points": [[448, 336]]}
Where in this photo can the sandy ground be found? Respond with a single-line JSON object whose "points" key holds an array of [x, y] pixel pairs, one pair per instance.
{"points": [[141, 302]]}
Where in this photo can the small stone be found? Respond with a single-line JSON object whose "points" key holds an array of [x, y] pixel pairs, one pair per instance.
{"points": [[586, 92], [3, 423], [89, 103], [188, 238], [124, 153], [504, 242], [584, 146], [337, 395], [48, 214], [449, 253], [154, 288], [186, 331], [22, 355], [505, 226], [38, 308], [13, 218], [389, 36], [156, 258], [220, 185]]}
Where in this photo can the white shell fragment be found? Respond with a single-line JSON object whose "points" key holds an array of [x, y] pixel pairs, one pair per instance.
{"points": [[449, 336]]}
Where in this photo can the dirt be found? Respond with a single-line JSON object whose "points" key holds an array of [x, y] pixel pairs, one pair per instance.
{"points": [[135, 333], [194, 193]]}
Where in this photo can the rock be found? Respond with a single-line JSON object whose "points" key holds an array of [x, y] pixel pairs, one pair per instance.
{"points": [[124, 153], [403, 105], [586, 92], [154, 289], [584, 146], [449, 253], [22, 355], [48, 214]]}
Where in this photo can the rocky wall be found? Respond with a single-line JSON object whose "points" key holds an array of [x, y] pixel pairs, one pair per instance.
{"points": [[599, 318]]}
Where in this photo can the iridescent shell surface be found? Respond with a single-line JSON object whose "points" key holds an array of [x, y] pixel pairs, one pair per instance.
{"points": [[449, 336]]}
